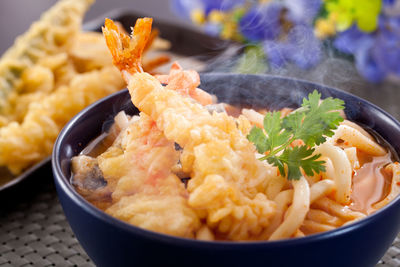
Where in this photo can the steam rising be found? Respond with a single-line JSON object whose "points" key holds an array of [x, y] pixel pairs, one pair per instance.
{"points": [[332, 71]]}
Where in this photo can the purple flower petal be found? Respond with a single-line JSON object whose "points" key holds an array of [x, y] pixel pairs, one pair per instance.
{"points": [[349, 40], [367, 65], [183, 8], [302, 10], [275, 53], [212, 28], [220, 5], [388, 3], [389, 26], [391, 8], [386, 48], [261, 22], [305, 48]]}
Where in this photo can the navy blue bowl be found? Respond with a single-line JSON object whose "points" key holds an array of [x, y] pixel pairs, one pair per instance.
{"points": [[111, 242]]}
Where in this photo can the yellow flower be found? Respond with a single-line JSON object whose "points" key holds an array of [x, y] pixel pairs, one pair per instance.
{"points": [[197, 16], [229, 30], [216, 16], [325, 27]]}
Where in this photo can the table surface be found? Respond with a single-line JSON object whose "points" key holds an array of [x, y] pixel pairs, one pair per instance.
{"points": [[33, 228]]}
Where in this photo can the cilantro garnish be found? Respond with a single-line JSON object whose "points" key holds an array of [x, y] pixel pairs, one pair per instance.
{"points": [[312, 123]]}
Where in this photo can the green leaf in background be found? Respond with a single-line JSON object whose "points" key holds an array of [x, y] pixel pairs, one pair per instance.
{"points": [[252, 61]]}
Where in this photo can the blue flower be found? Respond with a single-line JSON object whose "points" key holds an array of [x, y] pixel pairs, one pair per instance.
{"points": [[391, 8], [185, 7], [306, 48], [302, 10], [212, 29], [376, 54], [220, 5], [361, 45], [284, 28], [386, 49], [353, 41], [388, 2], [300, 47], [276, 53], [366, 64], [350, 40], [262, 22]]}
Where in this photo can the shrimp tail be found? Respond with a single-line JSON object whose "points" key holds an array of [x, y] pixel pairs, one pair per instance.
{"points": [[127, 51]]}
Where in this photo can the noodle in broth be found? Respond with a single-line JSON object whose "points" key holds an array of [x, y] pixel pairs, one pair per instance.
{"points": [[371, 180]]}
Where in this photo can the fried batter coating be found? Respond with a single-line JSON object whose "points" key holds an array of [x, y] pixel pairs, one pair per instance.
{"points": [[220, 160], [32, 140], [51, 35], [49, 74], [185, 82], [137, 168]]}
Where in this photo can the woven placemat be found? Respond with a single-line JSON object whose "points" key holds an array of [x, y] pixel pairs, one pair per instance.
{"points": [[35, 232]]}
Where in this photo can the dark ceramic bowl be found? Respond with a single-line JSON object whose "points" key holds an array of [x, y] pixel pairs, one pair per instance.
{"points": [[110, 242]]}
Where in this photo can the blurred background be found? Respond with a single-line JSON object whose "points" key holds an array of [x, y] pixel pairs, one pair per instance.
{"points": [[262, 31], [18, 15]]}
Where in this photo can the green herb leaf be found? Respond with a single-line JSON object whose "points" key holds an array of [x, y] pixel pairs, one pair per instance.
{"points": [[273, 128], [259, 139], [315, 120], [276, 161], [312, 123], [301, 156]]}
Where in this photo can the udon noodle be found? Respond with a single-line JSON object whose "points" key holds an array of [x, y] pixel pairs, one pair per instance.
{"points": [[184, 166]]}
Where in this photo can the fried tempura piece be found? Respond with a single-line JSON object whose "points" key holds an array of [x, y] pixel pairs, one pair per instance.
{"points": [[89, 52], [32, 140], [185, 82], [226, 178], [46, 78], [49, 74], [146, 193], [51, 35]]}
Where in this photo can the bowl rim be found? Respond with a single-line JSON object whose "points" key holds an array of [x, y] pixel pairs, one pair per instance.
{"points": [[64, 185]]}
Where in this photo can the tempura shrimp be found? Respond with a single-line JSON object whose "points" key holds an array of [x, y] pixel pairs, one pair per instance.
{"points": [[137, 172], [227, 181]]}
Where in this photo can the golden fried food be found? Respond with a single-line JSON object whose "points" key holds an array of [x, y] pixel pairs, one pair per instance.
{"points": [[52, 35], [52, 72], [226, 178], [147, 158]]}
